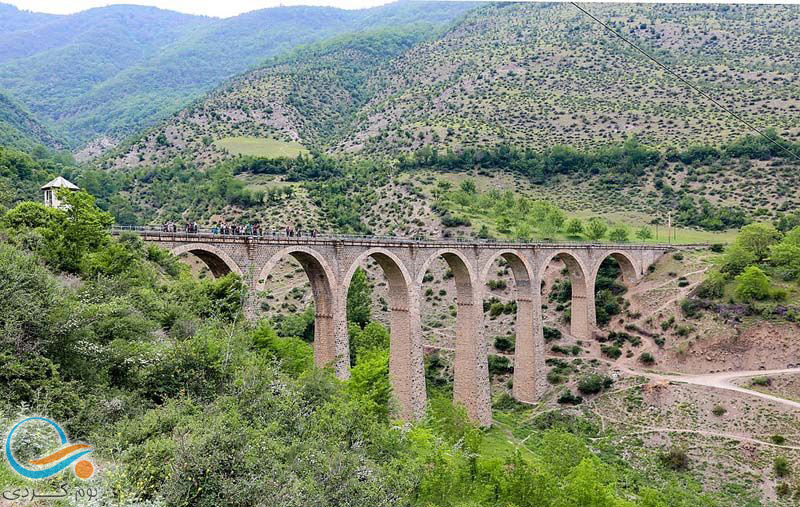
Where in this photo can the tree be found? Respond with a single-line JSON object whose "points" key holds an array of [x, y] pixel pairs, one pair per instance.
{"points": [[736, 259], [644, 233], [618, 234], [373, 336], [359, 298], [553, 221], [369, 380], [786, 257], [757, 238], [753, 284], [575, 227], [596, 229]]}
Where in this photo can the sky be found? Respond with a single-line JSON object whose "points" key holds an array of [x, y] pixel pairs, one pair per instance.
{"points": [[218, 8]]}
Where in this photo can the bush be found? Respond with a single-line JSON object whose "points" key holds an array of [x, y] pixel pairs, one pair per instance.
{"points": [[781, 466], [647, 358], [690, 308], [718, 410], [676, 458], [551, 334], [753, 284], [567, 398], [762, 381], [504, 343], [611, 351], [499, 365], [594, 383], [778, 439]]}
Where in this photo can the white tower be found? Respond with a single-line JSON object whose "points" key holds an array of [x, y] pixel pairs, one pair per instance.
{"points": [[49, 189]]}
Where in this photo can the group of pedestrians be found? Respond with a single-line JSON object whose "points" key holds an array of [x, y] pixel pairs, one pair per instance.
{"points": [[248, 229]]}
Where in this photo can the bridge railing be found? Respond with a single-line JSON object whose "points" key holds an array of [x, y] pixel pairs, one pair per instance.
{"points": [[307, 237]]}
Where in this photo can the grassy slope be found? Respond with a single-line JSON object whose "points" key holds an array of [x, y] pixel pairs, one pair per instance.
{"points": [[260, 147]]}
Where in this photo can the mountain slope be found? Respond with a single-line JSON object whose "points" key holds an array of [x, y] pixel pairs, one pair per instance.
{"points": [[310, 95], [19, 129], [537, 75], [115, 70], [534, 74]]}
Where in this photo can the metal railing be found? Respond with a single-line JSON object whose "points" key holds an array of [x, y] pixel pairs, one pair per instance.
{"points": [[308, 237]]}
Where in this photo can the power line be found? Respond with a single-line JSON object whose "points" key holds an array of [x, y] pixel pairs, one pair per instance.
{"points": [[689, 84]]}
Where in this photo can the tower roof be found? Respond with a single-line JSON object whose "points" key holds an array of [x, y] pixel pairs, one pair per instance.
{"points": [[59, 183]]}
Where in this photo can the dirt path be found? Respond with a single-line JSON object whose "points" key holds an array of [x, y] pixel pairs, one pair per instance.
{"points": [[722, 380]]}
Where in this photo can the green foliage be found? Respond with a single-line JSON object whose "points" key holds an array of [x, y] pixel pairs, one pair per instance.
{"points": [[359, 298], [593, 383], [596, 229], [736, 259], [374, 336], [295, 355], [300, 325], [757, 238], [618, 234], [504, 343], [785, 256], [752, 285], [781, 466], [676, 458], [369, 381], [499, 365], [574, 227], [644, 233]]}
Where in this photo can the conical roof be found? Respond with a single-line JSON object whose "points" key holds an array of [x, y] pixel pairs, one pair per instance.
{"points": [[59, 183]]}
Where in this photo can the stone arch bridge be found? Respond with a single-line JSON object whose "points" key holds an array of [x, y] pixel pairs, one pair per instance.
{"points": [[330, 261]]}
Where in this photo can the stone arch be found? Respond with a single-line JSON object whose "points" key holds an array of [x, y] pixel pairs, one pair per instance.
{"points": [[582, 292], [630, 268], [529, 353], [406, 369], [471, 370], [327, 350], [218, 262]]}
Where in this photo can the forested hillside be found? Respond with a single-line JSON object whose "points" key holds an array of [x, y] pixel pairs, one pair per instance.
{"points": [[531, 76], [112, 71], [19, 129]]}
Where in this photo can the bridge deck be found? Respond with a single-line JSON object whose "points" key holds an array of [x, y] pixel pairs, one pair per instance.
{"points": [[273, 238]]}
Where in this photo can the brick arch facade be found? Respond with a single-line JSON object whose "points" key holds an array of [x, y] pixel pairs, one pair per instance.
{"points": [[406, 365], [330, 261], [218, 262]]}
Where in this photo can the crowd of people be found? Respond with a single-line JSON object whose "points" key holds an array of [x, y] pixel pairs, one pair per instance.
{"points": [[240, 230]]}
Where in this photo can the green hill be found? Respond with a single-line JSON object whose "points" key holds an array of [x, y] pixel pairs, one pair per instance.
{"points": [[538, 75], [120, 68], [19, 129]]}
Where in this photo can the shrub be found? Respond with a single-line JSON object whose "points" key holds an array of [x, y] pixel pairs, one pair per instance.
{"points": [[496, 284], [753, 284], [762, 381], [676, 458], [567, 398], [718, 410], [778, 439], [781, 466], [611, 351], [504, 343], [690, 308], [551, 334], [647, 358], [499, 365], [594, 383], [678, 256]]}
